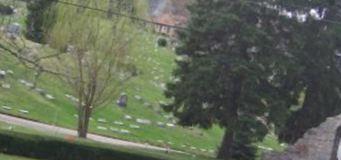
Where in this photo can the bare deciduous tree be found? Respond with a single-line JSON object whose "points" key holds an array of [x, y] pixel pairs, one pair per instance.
{"points": [[89, 56]]}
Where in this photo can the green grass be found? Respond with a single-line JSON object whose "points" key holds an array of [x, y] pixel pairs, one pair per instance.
{"points": [[61, 110], [10, 157], [21, 132], [151, 61]]}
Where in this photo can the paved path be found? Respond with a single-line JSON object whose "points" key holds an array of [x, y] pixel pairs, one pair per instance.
{"points": [[63, 131]]}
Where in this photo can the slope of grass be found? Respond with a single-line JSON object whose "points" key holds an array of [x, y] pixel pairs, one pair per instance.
{"points": [[154, 65]]}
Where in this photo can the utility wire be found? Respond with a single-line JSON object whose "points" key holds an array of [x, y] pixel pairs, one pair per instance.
{"points": [[114, 13], [261, 4]]}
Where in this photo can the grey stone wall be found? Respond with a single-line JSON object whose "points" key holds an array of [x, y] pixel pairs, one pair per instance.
{"points": [[316, 144]]}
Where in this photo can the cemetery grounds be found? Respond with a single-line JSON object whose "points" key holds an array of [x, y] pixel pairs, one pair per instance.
{"points": [[142, 121]]}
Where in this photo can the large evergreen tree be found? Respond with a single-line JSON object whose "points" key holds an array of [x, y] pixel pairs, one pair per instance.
{"points": [[314, 45], [230, 73]]}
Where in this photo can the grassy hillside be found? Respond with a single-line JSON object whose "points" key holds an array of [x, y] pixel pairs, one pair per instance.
{"points": [[154, 64], [145, 93]]}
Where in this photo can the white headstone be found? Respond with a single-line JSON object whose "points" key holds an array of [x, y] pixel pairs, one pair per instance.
{"points": [[114, 129], [119, 123], [2, 74], [128, 117], [6, 107], [170, 125], [124, 131], [101, 120], [102, 128], [49, 97], [143, 121], [24, 111], [134, 126], [6, 86]]}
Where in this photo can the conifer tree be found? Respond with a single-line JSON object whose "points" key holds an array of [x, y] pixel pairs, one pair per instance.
{"points": [[230, 73]]}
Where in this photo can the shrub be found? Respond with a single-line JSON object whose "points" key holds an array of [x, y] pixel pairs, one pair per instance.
{"points": [[58, 149], [162, 42]]}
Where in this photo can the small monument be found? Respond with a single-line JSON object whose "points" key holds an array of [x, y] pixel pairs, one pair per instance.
{"points": [[122, 101], [2, 74]]}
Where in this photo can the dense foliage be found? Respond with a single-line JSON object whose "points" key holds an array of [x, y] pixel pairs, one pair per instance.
{"points": [[230, 73], [315, 44], [37, 26], [253, 65]]}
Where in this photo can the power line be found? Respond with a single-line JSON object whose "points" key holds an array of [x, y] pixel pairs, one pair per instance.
{"points": [[116, 13], [261, 4]]}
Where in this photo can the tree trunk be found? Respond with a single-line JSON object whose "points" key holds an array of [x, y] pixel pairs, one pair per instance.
{"points": [[83, 121], [225, 150]]}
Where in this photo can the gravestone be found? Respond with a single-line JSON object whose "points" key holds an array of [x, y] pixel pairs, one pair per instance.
{"points": [[143, 121], [40, 91], [122, 101], [6, 86], [101, 120], [24, 111], [10, 72], [124, 131], [119, 123], [320, 143], [2, 74], [170, 125], [134, 126], [13, 30], [102, 128], [161, 124], [128, 117], [114, 130], [49, 97], [6, 107]]}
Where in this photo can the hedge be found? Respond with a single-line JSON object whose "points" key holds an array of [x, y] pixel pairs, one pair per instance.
{"points": [[48, 148]]}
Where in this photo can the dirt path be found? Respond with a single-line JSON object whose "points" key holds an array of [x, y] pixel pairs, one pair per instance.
{"points": [[63, 131]]}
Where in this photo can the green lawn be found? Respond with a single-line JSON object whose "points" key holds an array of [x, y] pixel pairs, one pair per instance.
{"points": [[32, 134], [154, 64], [10, 157]]}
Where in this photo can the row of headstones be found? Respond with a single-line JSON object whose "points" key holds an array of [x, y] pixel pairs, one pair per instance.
{"points": [[3, 75], [42, 92], [125, 131], [132, 126], [7, 108], [187, 147], [138, 121]]}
